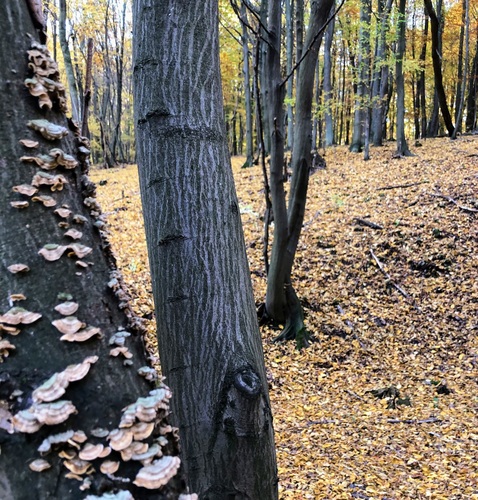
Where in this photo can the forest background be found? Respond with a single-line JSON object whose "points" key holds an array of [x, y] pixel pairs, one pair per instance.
{"points": [[373, 337]]}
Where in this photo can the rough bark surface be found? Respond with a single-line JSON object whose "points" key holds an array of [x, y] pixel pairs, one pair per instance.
{"points": [[39, 353], [210, 347]]}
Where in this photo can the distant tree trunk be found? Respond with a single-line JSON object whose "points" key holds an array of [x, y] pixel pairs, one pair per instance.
{"points": [[91, 400], [289, 23], [436, 58], [459, 75], [380, 72], [87, 95], [402, 146], [421, 94], [362, 97], [262, 66], [247, 87], [282, 302], [462, 83], [209, 341], [299, 28], [70, 74], [328, 95], [472, 92]]}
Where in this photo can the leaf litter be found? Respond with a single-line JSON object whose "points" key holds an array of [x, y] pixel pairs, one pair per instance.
{"points": [[384, 404]]}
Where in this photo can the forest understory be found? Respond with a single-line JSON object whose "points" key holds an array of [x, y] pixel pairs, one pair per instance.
{"points": [[384, 404]]}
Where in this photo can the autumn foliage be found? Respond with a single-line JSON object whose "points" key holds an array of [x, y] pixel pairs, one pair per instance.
{"points": [[384, 403]]}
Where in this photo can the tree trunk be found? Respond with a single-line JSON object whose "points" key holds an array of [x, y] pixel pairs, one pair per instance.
{"points": [[328, 95], [247, 87], [436, 58], [462, 84], [380, 72], [98, 399], [289, 23], [362, 98], [70, 74], [472, 91], [402, 146], [209, 342], [281, 299]]}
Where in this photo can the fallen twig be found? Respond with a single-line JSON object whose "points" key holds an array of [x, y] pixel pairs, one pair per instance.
{"points": [[430, 420], [389, 278], [451, 200], [365, 222], [397, 186], [353, 394]]}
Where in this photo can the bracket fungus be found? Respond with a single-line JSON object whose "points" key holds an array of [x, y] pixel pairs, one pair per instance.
{"points": [[48, 130], [39, 465], [52, 252], [135, 448], [63, 212], [5, 348], [148, 373], [37, 88], [18, 268], [18, 315], [25, 189], [56, 182], [124, 351], [56, 385], [19, 204], [92, 451], [82, 335], [119, 338], [78, 466], [80, 250], [53, 413], [67, 308], [74, 234], [121, 495], [146, 409], [63, 159], [142, 430], [120, 439], [15, 297], [68, 325], [158, 473], [28, 143], [62, 437], [46, 200], [109, 467]]}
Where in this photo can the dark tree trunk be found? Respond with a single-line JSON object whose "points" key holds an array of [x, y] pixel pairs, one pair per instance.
{"points": [[109, 386], [436, 58], [282, 302], [329, 125], [472, 91], [402, 146], [209, 341], [70, 74]]}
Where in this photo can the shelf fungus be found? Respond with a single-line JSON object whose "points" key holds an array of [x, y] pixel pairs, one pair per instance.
{"points": [[32, 419], [37, 88], [82, 335], [74, 234], [39, 465], [18, 268], [28, 143], [119, 338], [135, 448], [56, 182], [92, 451], [120, 439], [78, 466], [46, 200], [56, 385], [18, 315], [79, 250], [148, 373], [146, 409], [69, 324], [19, 204], [52, 252], [67, 308], [61, 438], [158, 473], [25, 189], [63, 212], [11, 330], [120, 495], [142, 430], [5, 348], [63, 159], [15, 297], [109, 467], [124, 351], [48, 130]]}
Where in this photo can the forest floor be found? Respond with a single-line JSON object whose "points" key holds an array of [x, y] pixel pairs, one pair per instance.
{"points": [[393, 311]]}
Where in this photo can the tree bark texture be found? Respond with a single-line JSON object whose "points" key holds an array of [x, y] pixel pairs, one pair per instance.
{"points": [[281, 299], [70, 74], [209, 342], [402, 146], [109, 386], [436, 58], [328, 90]]}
